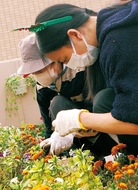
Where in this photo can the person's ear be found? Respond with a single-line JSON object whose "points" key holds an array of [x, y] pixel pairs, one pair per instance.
{"points": [[74, 34]]}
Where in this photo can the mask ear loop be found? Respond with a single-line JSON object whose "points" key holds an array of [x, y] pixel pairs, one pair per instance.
{"points": [[73, 44], [84, 41], [74, 50]]}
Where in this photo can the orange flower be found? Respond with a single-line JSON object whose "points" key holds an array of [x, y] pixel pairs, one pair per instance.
{"points": [[22, 127], [122, 186], [23, 133], [48, 157], [131, 166], [24, 137], [118, 172], [33, 142], [25, 172], [136, 165], [118, 176], [35, 156], [97, 166], [108, 165], [40, 152], [121, 146], [131, 157], [118, 147], [115, 165], [18, 157], [41, 128], [31, 126], [29, 135], [27, 142], [112, 166], [114, 150], [124, 168], [130, 172]]}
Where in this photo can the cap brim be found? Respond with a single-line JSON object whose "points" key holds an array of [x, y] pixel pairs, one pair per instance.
{"points": [[32, 66]]}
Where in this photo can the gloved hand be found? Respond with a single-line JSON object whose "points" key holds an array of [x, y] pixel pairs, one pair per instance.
{"points": [[57, 143], [68, 122]]}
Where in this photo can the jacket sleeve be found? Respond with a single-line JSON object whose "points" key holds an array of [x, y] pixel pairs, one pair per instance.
{"points": [[73, 87]]}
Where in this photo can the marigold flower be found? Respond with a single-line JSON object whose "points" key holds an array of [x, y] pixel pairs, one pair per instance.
{"points": [[41, 128], [124, 167], [29, 135], [121, 146], [22, 127], [27, 142], [96, 167], [136, 165], [115, 165], [25, 172], [40, 152], [108, 165], [98, 163], [118, 172], [130, 172], [131, 157], [118, 176], [122, 186], [118, 147], [131, 166], [114, 150], [34, 142], [18, 157], [24, 137], [47, 158], [35, 156], [23, 133], [31, 126]]}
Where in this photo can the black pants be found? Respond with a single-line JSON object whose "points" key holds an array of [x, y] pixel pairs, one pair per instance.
{"points": [[98, 148]]}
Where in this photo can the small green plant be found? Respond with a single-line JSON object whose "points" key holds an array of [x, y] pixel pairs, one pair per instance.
{"points": [[16, 86], [25, 166]]}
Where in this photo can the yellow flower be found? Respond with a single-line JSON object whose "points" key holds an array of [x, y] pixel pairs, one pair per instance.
{"points": [[41, 187], [130, 172], [122, 186], [25, 172]]}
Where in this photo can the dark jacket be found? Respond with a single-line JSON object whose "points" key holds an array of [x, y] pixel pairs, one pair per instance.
{"points": [[117, 32], [70, 85]]}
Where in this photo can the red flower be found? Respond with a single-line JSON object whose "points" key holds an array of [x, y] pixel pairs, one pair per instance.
{"points": [[25, 75]]}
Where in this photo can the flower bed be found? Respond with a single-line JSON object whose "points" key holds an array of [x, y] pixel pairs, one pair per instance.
{"points": [[24, 165]]}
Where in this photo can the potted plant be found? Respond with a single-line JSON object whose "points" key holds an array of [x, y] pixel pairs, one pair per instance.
{"points": [[16, 86]]}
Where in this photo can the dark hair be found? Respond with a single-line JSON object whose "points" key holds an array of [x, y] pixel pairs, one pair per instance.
{"points": [[55, 36]]}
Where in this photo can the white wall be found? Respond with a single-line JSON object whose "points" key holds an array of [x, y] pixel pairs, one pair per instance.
{"points": [[28, 107]]}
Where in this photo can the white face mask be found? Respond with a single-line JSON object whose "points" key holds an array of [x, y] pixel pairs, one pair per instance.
{"points": [[85, 60], [47, 77]]}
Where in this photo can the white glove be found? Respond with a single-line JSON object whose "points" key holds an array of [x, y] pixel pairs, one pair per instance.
{"points": [[57, 143], [68, 122]]}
